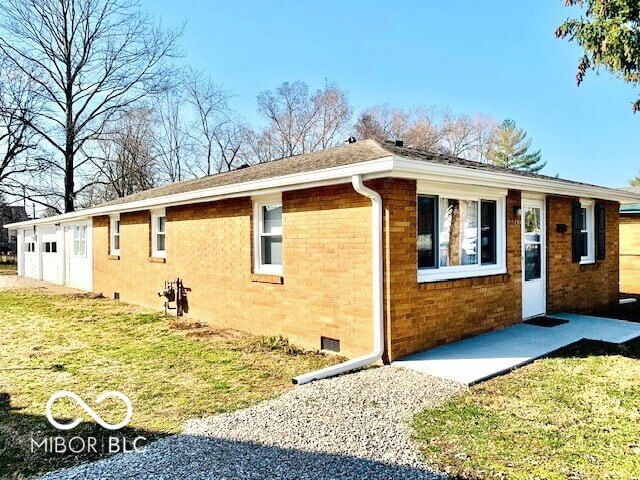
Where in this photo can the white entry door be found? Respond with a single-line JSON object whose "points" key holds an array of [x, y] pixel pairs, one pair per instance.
{"points": [[534, 301], [50, 256]]}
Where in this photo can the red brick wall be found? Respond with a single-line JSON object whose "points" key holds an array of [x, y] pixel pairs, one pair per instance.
{"points": [[327, 271], [326, 256], [420, 316], [573, 287]]}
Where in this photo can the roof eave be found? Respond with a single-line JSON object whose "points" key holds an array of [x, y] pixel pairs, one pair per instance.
{"points": [[295, 181], [395, 166], [408, 168]]}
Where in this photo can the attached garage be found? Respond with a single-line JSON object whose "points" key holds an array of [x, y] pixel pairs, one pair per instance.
{"points": [[58, 253], [78, 256]]}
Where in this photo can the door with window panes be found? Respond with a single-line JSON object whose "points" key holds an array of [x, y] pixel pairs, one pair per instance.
{"points": [[533, 258]]}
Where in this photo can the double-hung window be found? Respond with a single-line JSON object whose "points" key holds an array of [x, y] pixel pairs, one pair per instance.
{"points": [[158, 233], [80, 240], [114, 234], [268, 236], [584, 231], [460, 235]]}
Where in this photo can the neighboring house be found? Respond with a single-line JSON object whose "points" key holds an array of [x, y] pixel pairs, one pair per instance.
{"points": [[630, 246], [9, 237], [438, 247]]}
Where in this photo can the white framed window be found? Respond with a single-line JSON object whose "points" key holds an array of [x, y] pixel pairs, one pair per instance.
{"points": [[30, 246], [80, 240], [158, 233], [587, 231], [461, 233], [114, 235], [50, 247], [267, 228]]}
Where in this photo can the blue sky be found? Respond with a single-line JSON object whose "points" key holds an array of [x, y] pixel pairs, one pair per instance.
{"points": [[498, 58]]}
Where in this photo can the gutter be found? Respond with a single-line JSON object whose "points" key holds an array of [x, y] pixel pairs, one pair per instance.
{"points": [[378, 319], [296, 181]]}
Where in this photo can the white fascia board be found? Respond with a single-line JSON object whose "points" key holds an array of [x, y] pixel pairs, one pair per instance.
{"points": [[297, 181], [417, 169]]}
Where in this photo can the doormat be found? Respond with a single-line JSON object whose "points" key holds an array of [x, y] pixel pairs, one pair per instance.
{"points": [[547, 322]]}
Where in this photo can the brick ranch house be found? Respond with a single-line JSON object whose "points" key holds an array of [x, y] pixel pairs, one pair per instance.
{"points": [[351, 247]]}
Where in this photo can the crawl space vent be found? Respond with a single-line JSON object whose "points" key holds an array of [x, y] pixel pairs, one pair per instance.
{"points": [[331, 344], [116, 295]]}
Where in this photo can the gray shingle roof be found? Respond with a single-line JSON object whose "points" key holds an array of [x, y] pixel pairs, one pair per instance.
{"points": [[308, 162], [349, 154]]}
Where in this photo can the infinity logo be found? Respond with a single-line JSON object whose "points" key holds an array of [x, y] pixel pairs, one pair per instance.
{"points": [[89, 410]]}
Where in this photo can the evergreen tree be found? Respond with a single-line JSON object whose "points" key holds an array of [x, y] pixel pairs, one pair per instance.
{"points": [[510, 148], [609, 33]]}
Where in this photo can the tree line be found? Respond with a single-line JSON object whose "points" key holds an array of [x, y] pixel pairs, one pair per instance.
{"points": [[93, 107]]}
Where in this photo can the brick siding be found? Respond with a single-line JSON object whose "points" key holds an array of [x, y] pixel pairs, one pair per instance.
{"points": [[326, 287], [573, 287], [630, 253], [424, 315]]}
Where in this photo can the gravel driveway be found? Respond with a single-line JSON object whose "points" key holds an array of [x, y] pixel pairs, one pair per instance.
{"points": [[350, 427]]}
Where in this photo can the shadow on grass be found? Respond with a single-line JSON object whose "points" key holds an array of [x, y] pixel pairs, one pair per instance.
{"points": [[595, 348], [27, 442]]}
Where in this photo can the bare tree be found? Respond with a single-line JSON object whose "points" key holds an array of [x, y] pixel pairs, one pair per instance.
{"points": [[172, 142], [299, 121], [333, 115], [262, 145], [425, 129], [90, 59], [383, 123], [468, 137], [429, 129], [124, 157], [231, 139], [217, 135], [17, 140]]}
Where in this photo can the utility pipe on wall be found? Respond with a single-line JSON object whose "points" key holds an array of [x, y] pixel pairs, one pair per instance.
{"points": [[378, 319]]}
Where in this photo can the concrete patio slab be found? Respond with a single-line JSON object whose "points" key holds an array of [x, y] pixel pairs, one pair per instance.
{"points": [[484, 356]]}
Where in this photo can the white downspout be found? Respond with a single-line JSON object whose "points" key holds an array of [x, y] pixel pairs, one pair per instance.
{"points": [[378, 319]]}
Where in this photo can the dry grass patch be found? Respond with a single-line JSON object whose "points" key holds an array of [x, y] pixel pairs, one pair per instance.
{"points": [[171, 370], [573, 416], [8, 269]]}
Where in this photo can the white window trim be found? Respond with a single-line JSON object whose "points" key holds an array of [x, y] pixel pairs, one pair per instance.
{"points": [[589, 206], [435, 274], [258, 266], [155, 214], [75, 229], [112, 229]]}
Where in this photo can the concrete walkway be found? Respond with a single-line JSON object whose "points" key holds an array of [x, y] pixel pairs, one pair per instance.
{"points": [[479, 358]]}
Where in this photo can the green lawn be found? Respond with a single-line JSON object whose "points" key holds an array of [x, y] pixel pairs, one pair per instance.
{"points": [[171, 371], [574, 415]]}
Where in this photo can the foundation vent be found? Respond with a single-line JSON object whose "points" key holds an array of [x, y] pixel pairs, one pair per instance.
{"points": [[116, 295], [331, 344]]}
